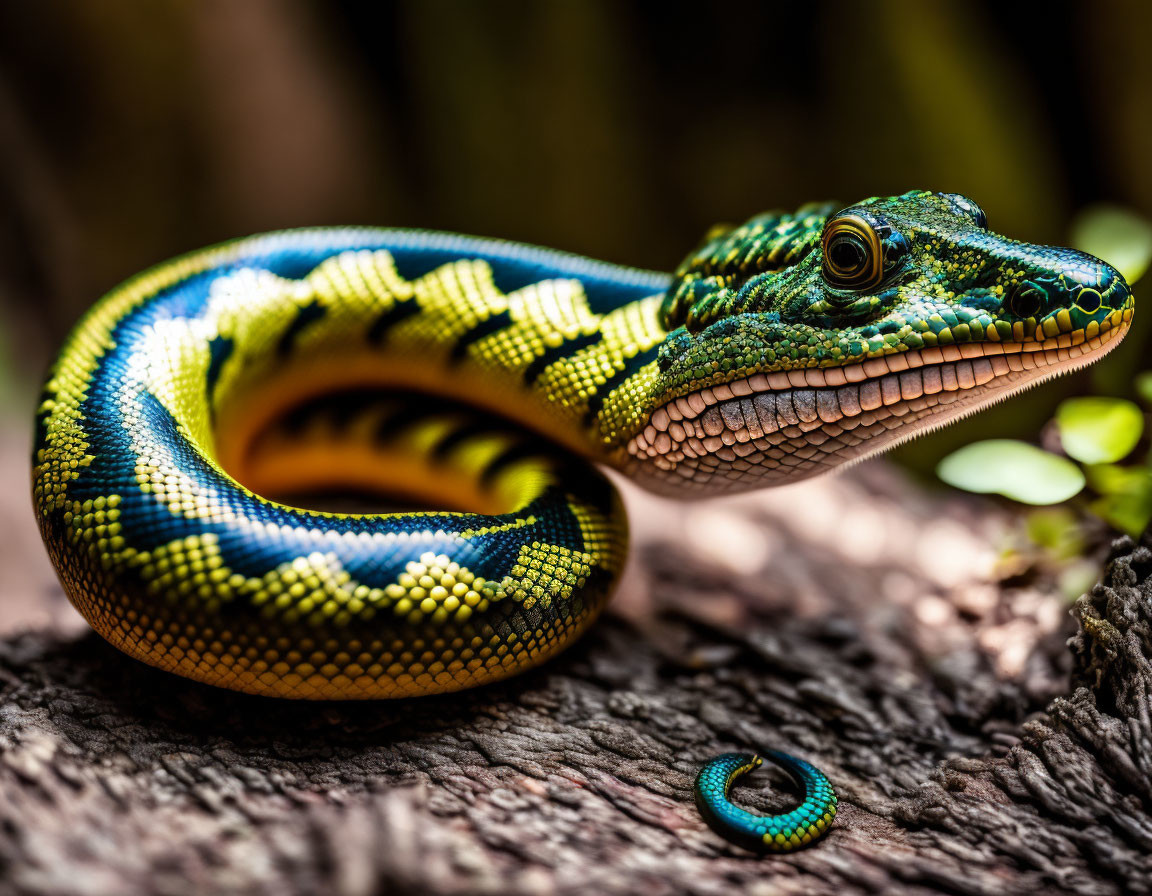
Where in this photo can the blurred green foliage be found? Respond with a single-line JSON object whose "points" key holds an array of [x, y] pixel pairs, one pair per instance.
{"points": [[1015, 469], [1124, 496], [1056, 529], [1097, 430], [1057, 539], [1091, 493], [1116, 234]]}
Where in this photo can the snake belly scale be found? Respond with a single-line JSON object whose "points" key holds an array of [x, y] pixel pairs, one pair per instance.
{"points": [[780, 348]]}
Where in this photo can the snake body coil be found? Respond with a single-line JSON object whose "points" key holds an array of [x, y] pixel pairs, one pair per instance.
{"points": [[779, 349]]}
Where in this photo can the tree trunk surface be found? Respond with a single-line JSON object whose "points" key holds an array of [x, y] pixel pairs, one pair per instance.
{"points": [[893, 637]]}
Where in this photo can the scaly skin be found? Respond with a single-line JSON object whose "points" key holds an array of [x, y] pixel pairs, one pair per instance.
{"points": [[770, 356], [765, 833]]}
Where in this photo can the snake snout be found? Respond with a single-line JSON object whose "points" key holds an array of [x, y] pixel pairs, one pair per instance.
{"points": [[1093, 285], [1063, 281]]}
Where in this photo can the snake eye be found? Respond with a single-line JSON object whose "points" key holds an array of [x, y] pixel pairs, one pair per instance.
{"points": [[852, 255]]}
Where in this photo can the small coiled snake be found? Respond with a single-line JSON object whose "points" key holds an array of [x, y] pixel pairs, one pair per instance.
{"points": [[779, 349]]}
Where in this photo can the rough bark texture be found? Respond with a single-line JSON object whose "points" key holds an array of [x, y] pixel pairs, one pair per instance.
{"points": [[881, 632]]}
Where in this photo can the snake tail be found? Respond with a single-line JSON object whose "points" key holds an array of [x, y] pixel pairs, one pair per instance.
{"points": [[765, 833]]}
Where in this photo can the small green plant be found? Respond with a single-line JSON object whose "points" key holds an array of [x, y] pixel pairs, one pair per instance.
{"points": [[1096, 434]]}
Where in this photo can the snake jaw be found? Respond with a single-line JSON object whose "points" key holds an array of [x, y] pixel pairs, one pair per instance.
{"points": [[788, 425]]}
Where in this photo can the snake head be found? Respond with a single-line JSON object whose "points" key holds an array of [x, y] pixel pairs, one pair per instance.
{"points": [[798, 342]]}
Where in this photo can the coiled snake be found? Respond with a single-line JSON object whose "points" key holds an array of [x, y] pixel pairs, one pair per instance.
{"points": [[779, 349]]}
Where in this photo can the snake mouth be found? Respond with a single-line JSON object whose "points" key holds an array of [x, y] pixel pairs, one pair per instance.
{"points": [[784, 426]]}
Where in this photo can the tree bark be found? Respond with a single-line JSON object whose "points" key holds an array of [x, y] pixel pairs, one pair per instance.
{"points": [[883, 633]]}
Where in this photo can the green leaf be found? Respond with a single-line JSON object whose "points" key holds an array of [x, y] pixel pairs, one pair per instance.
{"points": [[1127, 513], [1111, 479], [1099, 430], [1125, 501], [1119, 236], [1014, 469]]}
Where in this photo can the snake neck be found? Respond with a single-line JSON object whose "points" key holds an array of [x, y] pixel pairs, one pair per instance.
{"points": [[603, 384]]}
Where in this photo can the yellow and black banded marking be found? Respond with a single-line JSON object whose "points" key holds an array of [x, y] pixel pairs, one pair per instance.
{"points": [[157, 416]]}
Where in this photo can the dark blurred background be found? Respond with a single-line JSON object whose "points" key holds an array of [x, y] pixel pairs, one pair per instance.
{"points": [[132, 131]]}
